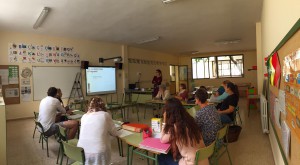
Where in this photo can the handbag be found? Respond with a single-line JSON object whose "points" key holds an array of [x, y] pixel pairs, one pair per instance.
{"points": [[233, 133]]}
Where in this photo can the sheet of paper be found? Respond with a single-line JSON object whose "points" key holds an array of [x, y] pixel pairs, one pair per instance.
{"points": [[286, 138], [277, 111], [4, 76], [281, 99], [26, 93], [11, 92], [123, 133]]}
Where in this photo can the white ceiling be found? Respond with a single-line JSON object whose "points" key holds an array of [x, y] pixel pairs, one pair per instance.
{"points": [[183, 26]]}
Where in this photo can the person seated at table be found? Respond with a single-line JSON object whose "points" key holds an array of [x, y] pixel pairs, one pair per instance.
{"points": [[228, 106], [207, 118], [59, 116], [181, 130], [47, 114], [96, 128], [215, 96], [183, 93], [163, 93]]}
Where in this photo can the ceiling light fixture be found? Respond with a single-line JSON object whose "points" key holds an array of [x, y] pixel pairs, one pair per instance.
{"points": [[41, 18], [168, 1], [226, 42], [148, 40]]}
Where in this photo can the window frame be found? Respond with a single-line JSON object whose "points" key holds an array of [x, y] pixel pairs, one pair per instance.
{"points": [[217, 67]]}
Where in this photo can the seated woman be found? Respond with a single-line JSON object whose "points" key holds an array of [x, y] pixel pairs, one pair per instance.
{"points": [[228, 106], [181, 130], [183, 93], [96, 128], [163, 93], [207, 118]]}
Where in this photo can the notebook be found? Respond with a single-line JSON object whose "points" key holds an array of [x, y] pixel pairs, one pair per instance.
{"points": [[77, 116], [154, 144]]}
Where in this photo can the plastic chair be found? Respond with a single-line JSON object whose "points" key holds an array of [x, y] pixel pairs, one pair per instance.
{"points": [[43, 137], [252, 97], [192, 111], [205, 153], [220, 144], [36, 115], [73, 152], [62, 136]]}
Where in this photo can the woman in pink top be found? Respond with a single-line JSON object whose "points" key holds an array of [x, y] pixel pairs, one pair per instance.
{"points": [[181, 130], [183, 93]]}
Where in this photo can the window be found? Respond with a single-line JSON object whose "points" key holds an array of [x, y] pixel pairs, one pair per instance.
{"points": [[218, 66]]}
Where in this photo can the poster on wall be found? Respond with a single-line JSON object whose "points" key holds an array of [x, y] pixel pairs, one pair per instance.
{"points": [[47, 54], [291, 74], [26, 93]]}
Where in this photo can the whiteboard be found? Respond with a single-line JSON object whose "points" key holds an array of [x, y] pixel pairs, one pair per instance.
{"points": [[53, 76]]}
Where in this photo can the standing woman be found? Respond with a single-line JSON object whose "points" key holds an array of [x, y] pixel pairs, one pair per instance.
{"points": [[96, 128], [228, 106], [183, 133], [156, 81]]}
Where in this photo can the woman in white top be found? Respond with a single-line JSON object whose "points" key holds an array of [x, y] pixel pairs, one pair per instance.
{"points": [[163, 93], [96, 128]]}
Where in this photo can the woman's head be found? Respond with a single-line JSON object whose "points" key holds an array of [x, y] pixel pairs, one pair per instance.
{"points": [[201, 96], [231, 87], [96, 104], [182, 86], [59, 93], [224, 83], [52, 91], [187, 131], [158, 72]]}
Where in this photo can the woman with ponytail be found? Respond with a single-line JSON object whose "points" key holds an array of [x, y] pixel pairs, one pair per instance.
{"points": [[228, 106], [96, 128], [181, 130]]}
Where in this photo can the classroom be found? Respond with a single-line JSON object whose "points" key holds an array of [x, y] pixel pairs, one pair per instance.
{"points": [[50, 43]]}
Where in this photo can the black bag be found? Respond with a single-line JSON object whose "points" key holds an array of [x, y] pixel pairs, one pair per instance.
{"points": [[233, 133]]}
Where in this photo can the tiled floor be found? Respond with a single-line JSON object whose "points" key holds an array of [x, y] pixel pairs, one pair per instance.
{"points": [[252, 148]]}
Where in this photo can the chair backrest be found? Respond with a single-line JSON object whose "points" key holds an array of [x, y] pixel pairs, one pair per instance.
{"points": [[222, 132], [252, 91], [192, 111], [205, 153], [62, 133], [40, 126], [74, 152], [36, 115]]}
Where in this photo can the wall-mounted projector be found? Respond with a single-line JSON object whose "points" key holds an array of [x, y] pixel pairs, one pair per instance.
{"points": [[116, 59]]}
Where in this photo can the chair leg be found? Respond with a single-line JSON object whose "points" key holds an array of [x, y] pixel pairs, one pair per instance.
{"points": [[58, 154], [145, 111], [137, 112], [42, 141], [40, 138], [34, 132], [228, 155], [47, 146], [240, 118]]}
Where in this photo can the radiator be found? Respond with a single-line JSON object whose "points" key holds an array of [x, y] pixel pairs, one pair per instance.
{"points": [[264, 114]]}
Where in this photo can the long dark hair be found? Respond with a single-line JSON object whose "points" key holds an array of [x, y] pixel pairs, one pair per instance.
{"points": [[233, 88], [186, 127]]}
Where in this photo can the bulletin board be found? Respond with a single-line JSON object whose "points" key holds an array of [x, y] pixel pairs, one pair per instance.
{"points": [[288, 85], [10, 84]]}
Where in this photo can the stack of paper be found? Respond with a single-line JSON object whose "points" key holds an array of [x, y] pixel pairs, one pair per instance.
{"points": [[154, 144]]}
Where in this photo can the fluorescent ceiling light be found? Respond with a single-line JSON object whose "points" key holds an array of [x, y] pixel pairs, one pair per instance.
{"points": [[168, 1], [226, 42], [41, 18], [148, 40]]}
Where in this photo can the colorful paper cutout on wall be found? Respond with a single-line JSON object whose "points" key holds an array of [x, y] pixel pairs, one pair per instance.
{"points": [[274, 70]]}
